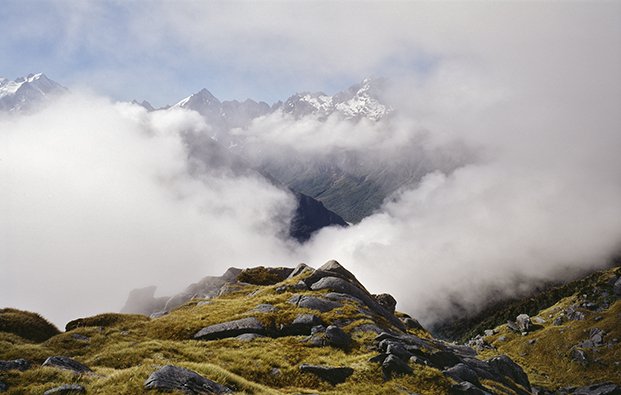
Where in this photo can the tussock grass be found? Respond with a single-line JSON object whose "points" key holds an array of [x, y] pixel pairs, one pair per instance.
{"points": [[30, 326]]}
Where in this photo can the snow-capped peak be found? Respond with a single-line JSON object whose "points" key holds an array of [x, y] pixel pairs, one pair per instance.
{"points": [[25, 91]]}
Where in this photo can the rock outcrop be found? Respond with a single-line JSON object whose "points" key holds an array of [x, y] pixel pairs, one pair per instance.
{"points": [[175, 378]]}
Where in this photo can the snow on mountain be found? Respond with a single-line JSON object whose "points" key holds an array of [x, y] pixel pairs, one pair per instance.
{"points": [[359, 101], [25, 92]]}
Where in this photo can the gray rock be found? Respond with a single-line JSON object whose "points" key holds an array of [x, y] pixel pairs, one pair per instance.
{"points": [[399, 351], [142, 301], [170, 378], [392, 364], [443, 359], [333, 375], [334, 269], [595, 389], [314, 303], [301, 325], [336, 337], [616, 288], [299, 269], [462, 372], [80, 337], [15, 364], [386, 301], [504, 366], [488, 332], [596, 336], [466, 388], [412, 323], [558, 321], [265, 308], [3, 387], [66, 389], [368, 328], [67, 364], [231, 329], [246, 337], [523, 323], [579, 356]]}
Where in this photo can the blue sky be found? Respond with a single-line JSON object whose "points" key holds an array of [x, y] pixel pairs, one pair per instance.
{"points": [[163, 51]]}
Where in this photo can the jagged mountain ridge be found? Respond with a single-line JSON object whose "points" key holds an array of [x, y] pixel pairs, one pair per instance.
{"points": [[25, 92]]}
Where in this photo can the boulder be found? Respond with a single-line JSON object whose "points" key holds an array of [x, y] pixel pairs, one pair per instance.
{"points": [[336, 337], [15, 364], [66, 389], [616, 288], [443, 359], [462, 372], [67, 364], [504, 366], [411, 323], [265, 308], [314, 303], [246, 337], [171, 378], [386, 301], [392, 364], [333, 375], [522, 322], [467, 388], [299, 269], [301, 325], [579, 356], [334, 269], [596, 389], [231, 329]]}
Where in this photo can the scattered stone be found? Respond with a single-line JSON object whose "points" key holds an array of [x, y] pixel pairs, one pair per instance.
{"points": [[532, 341], [265, 308], [538, 320], [392, 364], [616, 288], [302, 325], [598, 318], [443, 359], [247, 337], [333, 375], [80, 337], [67, 364], [579, 356], [513, 326], [412, 323], [466, 388], [336, 337], [502, 338], [558, 321], [66, 389], [504, 366], [574, 315], [488, 332], [170, 378], [595, 389], [314, 303], [596, 336], [15, 364], [158, 314], [462, 372], [231, 329], [386, 301], [523, 323], [299, 269]]}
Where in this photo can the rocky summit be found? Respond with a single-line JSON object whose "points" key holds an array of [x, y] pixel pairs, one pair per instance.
{"points": [[268, 330]]}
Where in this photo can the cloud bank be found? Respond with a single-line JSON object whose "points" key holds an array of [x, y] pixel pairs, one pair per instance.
{"points": [[98, 199]]}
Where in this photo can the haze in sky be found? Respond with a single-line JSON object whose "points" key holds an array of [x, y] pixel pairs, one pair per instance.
{"points": [[98, 195]]}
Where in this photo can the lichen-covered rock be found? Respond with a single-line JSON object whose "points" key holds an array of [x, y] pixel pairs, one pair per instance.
{"points": [[170, 378], [333, 375], [66, 389], [15, 364], [314, 303], [67, 364], [231, 329]]}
